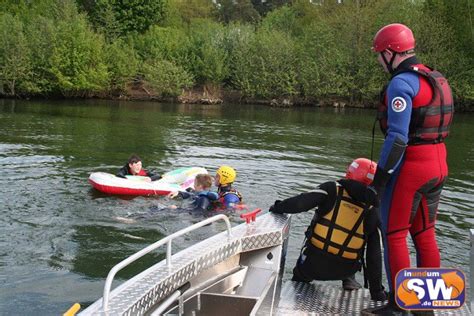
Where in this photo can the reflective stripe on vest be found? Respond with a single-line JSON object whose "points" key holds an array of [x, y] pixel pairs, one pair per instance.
{"points": [[341, 231], [429, 124]]}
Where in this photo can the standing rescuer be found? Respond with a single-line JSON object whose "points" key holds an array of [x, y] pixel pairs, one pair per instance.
{"points": [[415, 115]]}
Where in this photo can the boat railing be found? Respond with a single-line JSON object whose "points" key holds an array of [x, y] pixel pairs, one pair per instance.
{"points": [[167, 240]]}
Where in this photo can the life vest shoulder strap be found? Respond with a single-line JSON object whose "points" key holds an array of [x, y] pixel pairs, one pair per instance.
{"points": [[333, 214]]}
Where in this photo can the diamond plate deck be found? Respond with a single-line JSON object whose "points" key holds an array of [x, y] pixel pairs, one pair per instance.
{"points": [[137, 295], [320, 298]]}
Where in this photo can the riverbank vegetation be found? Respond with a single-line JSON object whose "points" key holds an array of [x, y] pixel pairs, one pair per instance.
{"points": [[283, 52]]}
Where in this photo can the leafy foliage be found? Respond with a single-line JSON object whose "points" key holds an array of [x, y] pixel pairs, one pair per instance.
{"points": [[122, 63], [211, 64], [77, 59], [313, 50], [166, 78], [124, 16], [264, 65], [15, 67], [237, 10], [186, 11], [165, 43]]}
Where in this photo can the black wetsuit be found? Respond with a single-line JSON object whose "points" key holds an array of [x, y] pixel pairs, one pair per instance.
{"points": [[125, 171], [317, 264]]}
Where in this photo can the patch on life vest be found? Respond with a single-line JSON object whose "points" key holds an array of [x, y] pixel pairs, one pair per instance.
{"points": [[399, 104]]}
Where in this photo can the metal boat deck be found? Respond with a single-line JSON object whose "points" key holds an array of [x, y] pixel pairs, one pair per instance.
{"points": [[320, 298], [236, 273]]}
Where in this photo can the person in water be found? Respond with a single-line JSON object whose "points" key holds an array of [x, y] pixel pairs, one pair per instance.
{"points": [[228, 196], [415, 114], [201, 200], [202, 197], [134, 168], [344, 225]]}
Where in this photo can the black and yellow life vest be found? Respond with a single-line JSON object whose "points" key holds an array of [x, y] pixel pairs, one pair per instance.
{"points": [[341, 231]]}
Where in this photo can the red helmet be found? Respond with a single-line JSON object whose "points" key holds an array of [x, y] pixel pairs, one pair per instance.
{"points": [[362, 170], [397, 37]]}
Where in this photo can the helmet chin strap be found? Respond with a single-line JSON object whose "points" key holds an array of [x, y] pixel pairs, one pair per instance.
{"points": [[389, 64]]}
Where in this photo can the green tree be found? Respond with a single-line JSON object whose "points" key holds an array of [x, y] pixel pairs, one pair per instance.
{"points": [[265, 6], [77, 58], [354, 24], [447, 42], [124, 16], [165, 43], [210, 56], [263, 65], [322, 63], [462, 30], [122, 63], [237, 10], [41, 36], [284, 19], [15, 64], [166, 78], [188, 10]]}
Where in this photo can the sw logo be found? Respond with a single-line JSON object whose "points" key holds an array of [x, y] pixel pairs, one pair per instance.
{"points": [[427, 288]]}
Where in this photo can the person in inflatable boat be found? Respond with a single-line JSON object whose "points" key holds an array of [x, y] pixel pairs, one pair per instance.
{"points": [[228, 196], [201, 196], [134, 168], [344, 225], [415, 112]]}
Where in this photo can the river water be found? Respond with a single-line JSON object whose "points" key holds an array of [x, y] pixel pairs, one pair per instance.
{"points": [[59, 237]]}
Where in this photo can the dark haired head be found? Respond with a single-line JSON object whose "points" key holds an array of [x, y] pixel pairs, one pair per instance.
{"points": [[134, 159]]}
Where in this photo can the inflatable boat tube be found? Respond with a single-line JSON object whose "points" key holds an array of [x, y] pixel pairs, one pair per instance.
{"points": [[176, 180]]}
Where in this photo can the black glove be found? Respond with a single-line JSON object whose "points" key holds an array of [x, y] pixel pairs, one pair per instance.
{"points": [[380, 296], [381, 179], [272, 208], [371, 196]]}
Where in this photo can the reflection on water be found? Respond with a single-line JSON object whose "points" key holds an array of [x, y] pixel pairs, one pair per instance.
{"points": [[60, 237], [119, 242]]}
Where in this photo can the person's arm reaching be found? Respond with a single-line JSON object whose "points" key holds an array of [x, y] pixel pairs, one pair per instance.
{"points": [[305, 201]]}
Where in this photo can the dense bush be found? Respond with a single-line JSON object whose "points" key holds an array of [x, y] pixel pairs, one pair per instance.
{"points": [[121, 17], [41, 33], [166, 78], [15, 65], [210, 57], [322, 63], [264, 50], [77, 59], [166, 43], [122, 63], [264, 65]]}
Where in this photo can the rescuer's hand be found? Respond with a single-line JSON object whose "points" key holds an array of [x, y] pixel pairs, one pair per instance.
{"points": [[272, 208], [371, 196]]}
